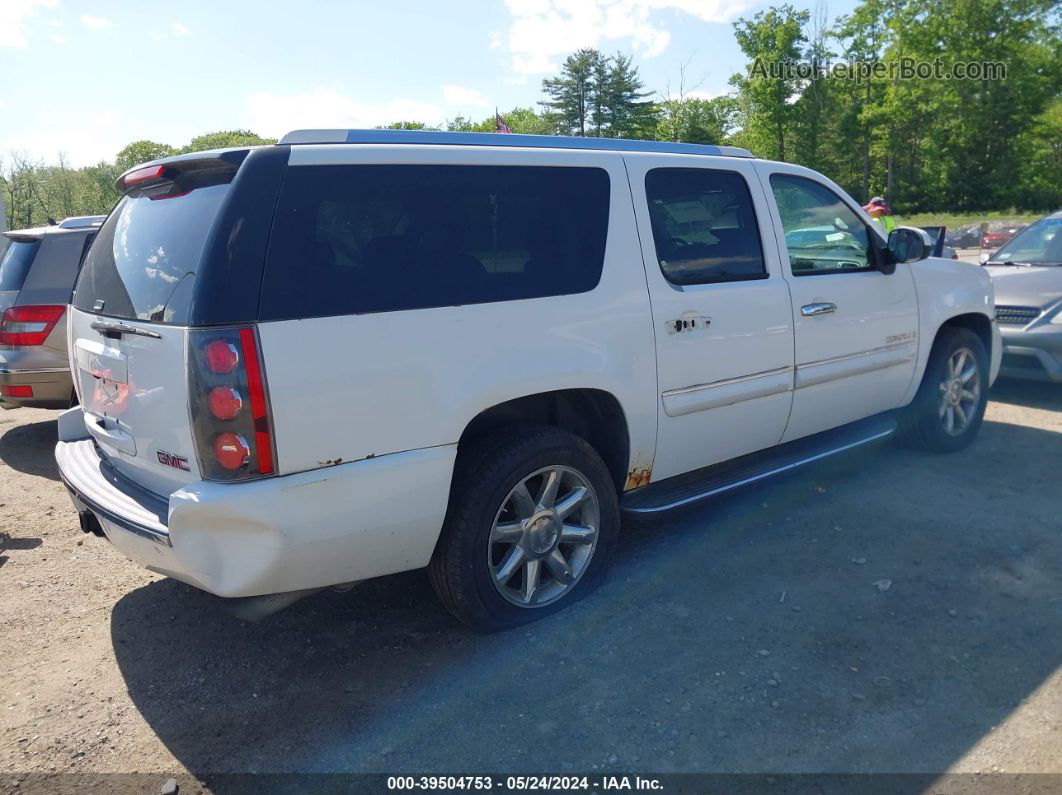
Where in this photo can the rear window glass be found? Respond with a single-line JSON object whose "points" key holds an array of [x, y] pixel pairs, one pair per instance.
{"points": [[378, 238], [15, 261], [145, 256]]}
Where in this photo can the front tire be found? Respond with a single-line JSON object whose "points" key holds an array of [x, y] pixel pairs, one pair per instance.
{"points": [[532, 519], [948, 409]]}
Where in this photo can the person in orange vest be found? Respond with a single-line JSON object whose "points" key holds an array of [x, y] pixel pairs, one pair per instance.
{"points": [[877, 209]]}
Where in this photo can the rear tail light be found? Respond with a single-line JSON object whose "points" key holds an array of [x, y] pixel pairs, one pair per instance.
{"points": [[225, 403], [28, 325], [220, 356], [229, 404], [231, 451], [21, 391]]}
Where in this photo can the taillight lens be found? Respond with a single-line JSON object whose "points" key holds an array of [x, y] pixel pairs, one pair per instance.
{"points": [[28, 325], [231, 451], [225, 402], [230, 404], [221, 356]]}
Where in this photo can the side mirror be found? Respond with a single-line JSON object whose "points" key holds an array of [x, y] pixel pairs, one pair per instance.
{"points": [[984, 256], [907, 244]]}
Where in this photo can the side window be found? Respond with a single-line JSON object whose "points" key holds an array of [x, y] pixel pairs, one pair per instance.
{"points": [[822, 234], [704, 226], [379, 238]]}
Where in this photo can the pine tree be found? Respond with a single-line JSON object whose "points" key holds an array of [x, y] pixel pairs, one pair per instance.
{"points": [[572, 94], [597, 95]]}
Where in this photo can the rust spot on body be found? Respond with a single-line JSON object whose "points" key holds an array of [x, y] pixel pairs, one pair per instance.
{"points": [[638, 476]]}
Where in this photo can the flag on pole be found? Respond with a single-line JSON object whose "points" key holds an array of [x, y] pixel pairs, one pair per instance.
{"points": [[499, 123]]}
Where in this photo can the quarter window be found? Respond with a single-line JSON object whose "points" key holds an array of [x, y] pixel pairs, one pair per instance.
{"points": [[704, 226], [822, 233], [377, 238]]}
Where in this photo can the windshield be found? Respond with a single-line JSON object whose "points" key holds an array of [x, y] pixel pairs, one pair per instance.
{"points": [[146, 255], [1038, 244]]}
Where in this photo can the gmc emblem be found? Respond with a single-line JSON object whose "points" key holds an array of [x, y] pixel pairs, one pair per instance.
{"points": [[171, 460]]}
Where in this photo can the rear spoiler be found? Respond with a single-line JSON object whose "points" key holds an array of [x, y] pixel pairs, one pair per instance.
{"points": [[170, 168], [24, 236]]}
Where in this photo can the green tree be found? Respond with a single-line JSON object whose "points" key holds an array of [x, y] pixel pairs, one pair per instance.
{"points": [[405, 125], [520, 120], [695, 121], [141, 152], [1040, 148], [598, 95], [771, 38], [225, 139], [573, 95], [621, 108]]}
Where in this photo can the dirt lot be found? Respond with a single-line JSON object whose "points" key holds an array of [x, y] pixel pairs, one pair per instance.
{"points": [[885, 611]]}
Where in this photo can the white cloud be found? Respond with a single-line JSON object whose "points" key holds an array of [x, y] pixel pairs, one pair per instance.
{"points": [[95, 23], [542, 30], [273, 114], [58, 38], [461, 97], [179, 29], [14, 31], [2, 104]]}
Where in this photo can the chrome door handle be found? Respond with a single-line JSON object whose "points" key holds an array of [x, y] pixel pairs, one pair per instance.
{"points": [[809, 310]]}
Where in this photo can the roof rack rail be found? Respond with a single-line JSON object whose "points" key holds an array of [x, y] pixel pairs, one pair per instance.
{"points": [[496, 139], [81, 221]]}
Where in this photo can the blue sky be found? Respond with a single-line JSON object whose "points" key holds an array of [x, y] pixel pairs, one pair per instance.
{"points": [[85, 78]]}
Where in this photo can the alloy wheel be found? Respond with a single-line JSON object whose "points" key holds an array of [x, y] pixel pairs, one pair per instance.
{"points": [[960, 392], [543, 537]]}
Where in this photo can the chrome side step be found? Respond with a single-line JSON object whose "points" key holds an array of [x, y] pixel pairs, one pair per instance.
{"points": [[704, 483]]}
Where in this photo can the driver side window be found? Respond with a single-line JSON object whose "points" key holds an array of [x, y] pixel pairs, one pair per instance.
{"points": [[822, 234]]}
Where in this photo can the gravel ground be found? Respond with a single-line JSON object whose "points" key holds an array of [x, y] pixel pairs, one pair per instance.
{"points": [[885, 611]]}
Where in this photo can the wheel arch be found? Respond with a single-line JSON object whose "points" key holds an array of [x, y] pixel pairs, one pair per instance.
{"points": [[976, 322], [594, 415]]}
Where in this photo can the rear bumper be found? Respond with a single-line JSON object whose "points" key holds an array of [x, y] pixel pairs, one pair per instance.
{"points": [[291, 533], [52, 388]]}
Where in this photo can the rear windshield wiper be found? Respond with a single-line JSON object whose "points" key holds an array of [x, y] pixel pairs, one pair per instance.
{"points": [[110, 328]]}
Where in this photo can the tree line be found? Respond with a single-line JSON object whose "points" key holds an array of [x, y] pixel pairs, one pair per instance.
{"points": [[925, 144], [35, 193]]}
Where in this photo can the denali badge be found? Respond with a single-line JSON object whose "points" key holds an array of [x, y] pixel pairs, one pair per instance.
{"points": [[171, 460]]}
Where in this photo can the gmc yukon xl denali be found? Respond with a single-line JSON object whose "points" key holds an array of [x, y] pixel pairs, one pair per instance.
{"points": [[356, 353]]}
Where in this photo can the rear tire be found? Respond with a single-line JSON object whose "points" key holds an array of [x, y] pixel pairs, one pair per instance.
{"points": [[948, 409], [532, 520]]}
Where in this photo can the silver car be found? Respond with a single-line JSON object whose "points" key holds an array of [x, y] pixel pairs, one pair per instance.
{"points": [[37, 272], [1027, 272]]}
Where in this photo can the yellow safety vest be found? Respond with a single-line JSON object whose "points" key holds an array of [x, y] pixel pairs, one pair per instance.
{"points": [[886, 222]]}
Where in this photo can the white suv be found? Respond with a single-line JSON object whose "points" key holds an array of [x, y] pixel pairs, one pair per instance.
{"points": [[361, 352]]}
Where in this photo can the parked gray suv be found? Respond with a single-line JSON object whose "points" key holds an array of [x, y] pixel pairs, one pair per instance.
{"points": [[1027, 272], [37, 272]]}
